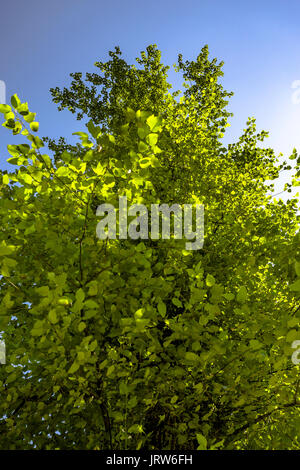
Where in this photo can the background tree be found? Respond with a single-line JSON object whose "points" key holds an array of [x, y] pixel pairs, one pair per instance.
{"points": [[130, 344]]}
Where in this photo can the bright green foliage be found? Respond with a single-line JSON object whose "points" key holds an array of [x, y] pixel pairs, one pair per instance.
{"points": [[128, 344]]}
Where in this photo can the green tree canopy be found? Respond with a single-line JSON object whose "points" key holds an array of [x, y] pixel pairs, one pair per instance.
{"points": [[142, 344]]}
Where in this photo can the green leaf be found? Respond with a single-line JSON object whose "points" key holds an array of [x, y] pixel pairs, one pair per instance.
{"points": [[5, 108], [29, 117], [43, 291], [199, 387], [297, 268], [293, 322], [95, 131], [13, 161], [27, 178], [74, 367], [36, 141], [142, 146], [110, 370], [154, 122], [229, 296], [242, 295], [64, 301], [176, 302], [136, 429], [123, 388], [162, 309], [295, 287], [62, 171], [80, 295], [34, 126], [142, 132], [145, 162], [81, 135], [190, 356], [93, 288], [292, 336], [152, 139], [9, 116], [10, 124], [91, 304], [81, 326], [52, 316], [15, 101], [6, 250], [5, 179], [23, 109], [210, 280], [254, 344], [11, 378], [201, 441], [130, 114]]}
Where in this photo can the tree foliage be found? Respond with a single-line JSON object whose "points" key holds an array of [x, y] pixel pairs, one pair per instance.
{"points": [[132, 344]]}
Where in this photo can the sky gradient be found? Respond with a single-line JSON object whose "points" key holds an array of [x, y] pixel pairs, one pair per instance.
{"points": [[42, 42]]}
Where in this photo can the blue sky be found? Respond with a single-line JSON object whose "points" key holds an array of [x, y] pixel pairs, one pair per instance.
{"points": [[259, 41]]}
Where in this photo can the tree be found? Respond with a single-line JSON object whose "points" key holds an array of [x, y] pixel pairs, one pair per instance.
{"points": [[132, 344]]}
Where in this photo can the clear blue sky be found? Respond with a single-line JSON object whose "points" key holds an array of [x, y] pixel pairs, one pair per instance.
{"points": [[259, 41]]}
